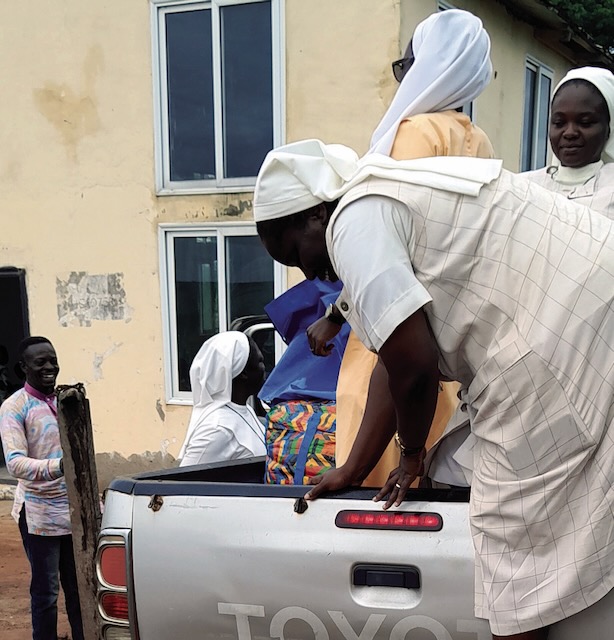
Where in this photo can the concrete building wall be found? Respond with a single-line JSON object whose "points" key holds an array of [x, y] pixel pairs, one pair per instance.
{"points": [[79, 206], [80, 211], [339, 81]]}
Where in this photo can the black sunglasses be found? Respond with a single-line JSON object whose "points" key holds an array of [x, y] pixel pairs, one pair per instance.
{"points": [[401, 67]]}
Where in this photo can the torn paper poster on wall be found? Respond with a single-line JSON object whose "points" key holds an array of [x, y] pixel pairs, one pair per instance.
{"points": [[83, 298]]}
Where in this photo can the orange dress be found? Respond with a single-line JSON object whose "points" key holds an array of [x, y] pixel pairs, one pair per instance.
{"points": [[448, 133]]}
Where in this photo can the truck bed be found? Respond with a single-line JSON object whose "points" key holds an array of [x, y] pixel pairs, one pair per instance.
{"points": [[215, 553]]}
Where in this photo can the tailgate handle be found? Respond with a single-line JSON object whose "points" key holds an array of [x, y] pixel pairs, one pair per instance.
{"points": [[386, 575]]}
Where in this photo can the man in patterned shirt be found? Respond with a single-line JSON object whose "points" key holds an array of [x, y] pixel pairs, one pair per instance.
{"points": [[31, 441]]}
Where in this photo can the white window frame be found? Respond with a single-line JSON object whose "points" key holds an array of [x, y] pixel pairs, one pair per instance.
{"points": [[541, 70], [166, 234], [159, 8]]}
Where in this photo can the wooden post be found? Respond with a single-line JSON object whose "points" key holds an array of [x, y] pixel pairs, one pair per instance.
{"points": [[77, 442]]}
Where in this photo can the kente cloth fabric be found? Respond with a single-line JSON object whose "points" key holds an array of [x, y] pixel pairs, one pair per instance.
{"points": [[300, 441], [603, 79], [299, 375], [220, 359], [522, 291], [451, 68], [32, 449], [300, 175]]}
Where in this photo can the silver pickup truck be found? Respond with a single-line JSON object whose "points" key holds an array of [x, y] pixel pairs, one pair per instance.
{"points": [[210, 552]]}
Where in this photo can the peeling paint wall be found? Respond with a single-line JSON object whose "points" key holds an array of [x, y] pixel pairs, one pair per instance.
{"points": [[79, 207], [112, 465], [83, 298], [80, 211]]}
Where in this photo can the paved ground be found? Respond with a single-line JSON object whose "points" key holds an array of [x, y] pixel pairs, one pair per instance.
{"points": [[14, 583]]}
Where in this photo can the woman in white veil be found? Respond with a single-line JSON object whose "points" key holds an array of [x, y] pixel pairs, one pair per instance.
{"points": [[446, 66], [227, 369], [581, 135]]}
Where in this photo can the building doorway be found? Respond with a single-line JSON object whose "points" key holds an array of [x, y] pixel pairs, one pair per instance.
{"points": [[14, 327]]}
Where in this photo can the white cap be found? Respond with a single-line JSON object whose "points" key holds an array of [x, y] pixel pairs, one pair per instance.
{"points": [[300, 175]]}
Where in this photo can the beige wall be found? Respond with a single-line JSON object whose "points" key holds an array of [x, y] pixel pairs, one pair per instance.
{"points": [[338, 68], [77, 187], [77, 177], [77, 168]]}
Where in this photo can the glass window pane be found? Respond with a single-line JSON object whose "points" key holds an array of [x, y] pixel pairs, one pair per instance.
{"points": [[196, 299], [249, 277], [542, 122], [190, 95], [247, 87], [529, 119], [249, 286]]}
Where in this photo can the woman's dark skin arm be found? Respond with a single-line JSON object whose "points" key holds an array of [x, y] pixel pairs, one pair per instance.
{"points": [[319, 335], [411, 359], [412, 353], [376, 430]]}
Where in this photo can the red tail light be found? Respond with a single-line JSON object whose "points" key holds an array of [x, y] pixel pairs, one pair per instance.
{"points": [[115, 605], [116, 613], [113, 565], [395, 521]]}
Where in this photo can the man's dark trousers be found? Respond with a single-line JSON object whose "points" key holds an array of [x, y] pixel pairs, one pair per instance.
{"points": [[51, 560]]}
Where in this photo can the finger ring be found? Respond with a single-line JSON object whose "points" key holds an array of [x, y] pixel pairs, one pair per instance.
{"points": [[397, 485]]}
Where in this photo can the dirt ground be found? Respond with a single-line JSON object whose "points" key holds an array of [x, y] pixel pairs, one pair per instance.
{"points": [[15, 622]]}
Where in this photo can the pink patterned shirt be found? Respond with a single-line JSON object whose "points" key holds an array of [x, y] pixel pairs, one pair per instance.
{"points": [[31, 442]]}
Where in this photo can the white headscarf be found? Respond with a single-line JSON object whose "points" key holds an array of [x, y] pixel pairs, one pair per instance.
{"points": [[300, 175], [218, 362], [603, 80], [452, 67]]}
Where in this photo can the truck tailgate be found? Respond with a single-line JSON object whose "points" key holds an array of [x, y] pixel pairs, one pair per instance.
{"points": [[252, 567]]}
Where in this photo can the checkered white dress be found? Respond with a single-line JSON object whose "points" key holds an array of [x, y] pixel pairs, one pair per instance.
{"points": [[522, 282]]}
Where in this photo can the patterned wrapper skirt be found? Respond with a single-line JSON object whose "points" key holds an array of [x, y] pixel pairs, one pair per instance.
{"points": [[300, 441]]}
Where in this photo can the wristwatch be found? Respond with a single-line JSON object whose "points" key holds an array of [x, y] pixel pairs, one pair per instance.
{"points": [[407, 451], [332, 315]]}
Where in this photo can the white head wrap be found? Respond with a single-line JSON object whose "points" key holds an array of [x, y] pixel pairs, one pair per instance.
{"points": [[452, 67], [218, 362], [603, 80], [300, 175]]}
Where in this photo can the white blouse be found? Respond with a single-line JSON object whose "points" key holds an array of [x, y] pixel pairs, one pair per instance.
{"points": [[375, 268], [229, 433]]}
